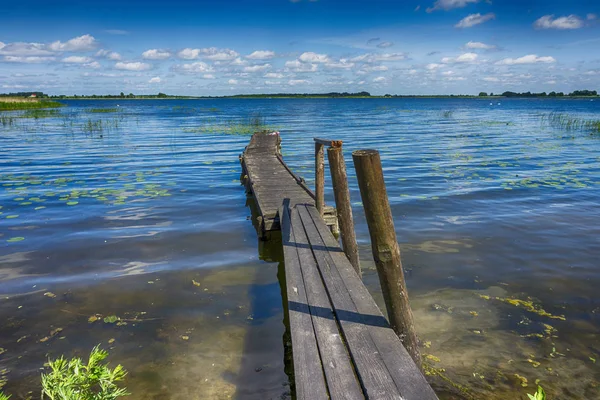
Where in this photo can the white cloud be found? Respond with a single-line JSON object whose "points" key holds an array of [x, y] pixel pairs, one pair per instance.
{"points": [[28, 60], [379, 57], [189, 54], [133, 66], [20, 49], [591, 17], [297, 66], [239, 61], [220, 55], [77, 60], [156, 54], [379, 79], [433, 66], [211, 53], [341, 64], [385, 45], [463, 58], [209, 76], [14, 86], [232, 81], [156, 79], [2, 45], [93, 65], [474, 19], [569, 22], [551, 82], [361, 58], [491, 79], [389, 57], [456, 78], [257, 68], [197, 67], [449, 4], [294, 82], [261, 55], [80, 43], [274, 75], [111, 55], [380, 68], [310, 57], [448, 73], [528, 59], [479, 46]]}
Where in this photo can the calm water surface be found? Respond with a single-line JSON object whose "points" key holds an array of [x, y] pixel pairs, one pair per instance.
{"points": [[141, 216]]}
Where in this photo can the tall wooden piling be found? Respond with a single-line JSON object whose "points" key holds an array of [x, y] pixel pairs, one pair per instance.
{"points": [[337, 166], [386, 251], [319, 177]]}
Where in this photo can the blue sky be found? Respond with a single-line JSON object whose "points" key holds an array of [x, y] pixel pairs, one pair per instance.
{"points": [[251, 46]]}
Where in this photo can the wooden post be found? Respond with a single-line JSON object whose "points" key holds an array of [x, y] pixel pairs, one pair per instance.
{"points": [[385, 248], [319, 178], [337, 166]]}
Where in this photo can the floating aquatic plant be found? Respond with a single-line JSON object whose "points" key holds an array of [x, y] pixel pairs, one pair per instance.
{"points": [[254, 123], [569, 122], [528, 305], [40, 113]]}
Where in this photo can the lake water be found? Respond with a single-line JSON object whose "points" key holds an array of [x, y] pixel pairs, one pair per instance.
{"points": [[141, 216]]}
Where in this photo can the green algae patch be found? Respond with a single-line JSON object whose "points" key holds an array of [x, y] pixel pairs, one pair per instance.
{"points": [[527, 305]]}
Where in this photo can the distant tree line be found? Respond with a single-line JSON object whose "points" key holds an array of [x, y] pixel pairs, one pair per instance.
{"points": [[331, 94], [24, 94], [544, 94], [122, 95]]}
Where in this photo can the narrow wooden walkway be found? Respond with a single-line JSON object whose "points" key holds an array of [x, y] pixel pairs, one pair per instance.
{"points": [[269, 180], [343, 347]]}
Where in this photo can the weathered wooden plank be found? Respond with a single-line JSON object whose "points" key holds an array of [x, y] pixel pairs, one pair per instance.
{"points": [[308, 370], [407, 377], [370, 368], [339, 372]]}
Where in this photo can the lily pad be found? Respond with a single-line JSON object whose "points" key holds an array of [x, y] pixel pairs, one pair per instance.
{"points": [[111, 319], [15, 239]]}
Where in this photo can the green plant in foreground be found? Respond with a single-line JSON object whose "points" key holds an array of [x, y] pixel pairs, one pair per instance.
{"points": [[3, 396], [74, 380], [539, 395]]}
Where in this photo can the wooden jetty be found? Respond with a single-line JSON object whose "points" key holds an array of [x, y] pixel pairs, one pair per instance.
{"points": [[342, 345], [269, 180]]}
